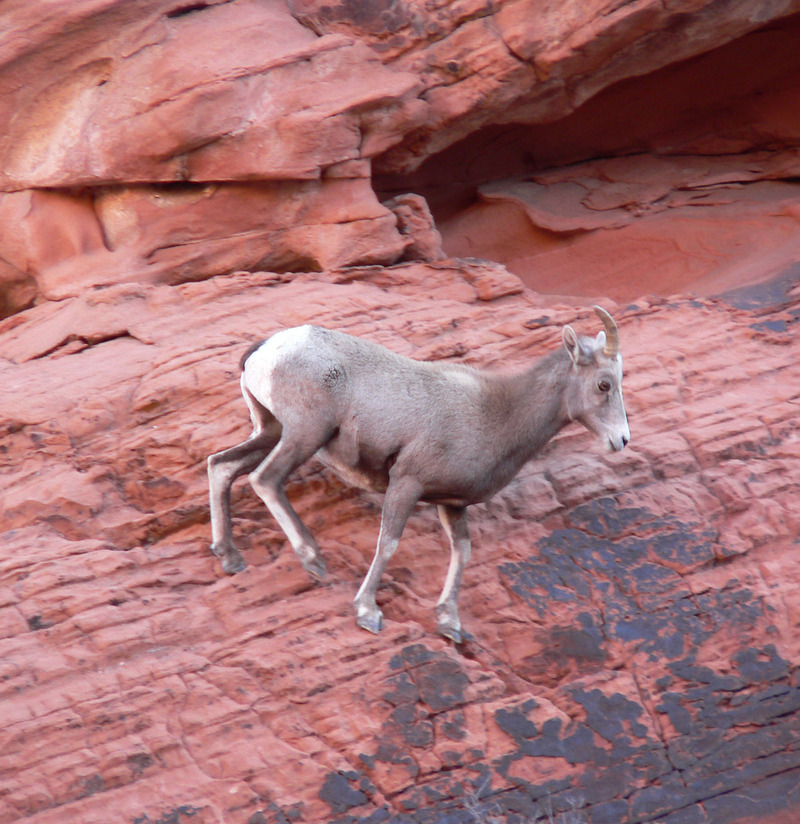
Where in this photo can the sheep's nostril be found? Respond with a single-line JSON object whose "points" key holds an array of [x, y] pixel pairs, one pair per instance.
{"points": [[625, 440]]}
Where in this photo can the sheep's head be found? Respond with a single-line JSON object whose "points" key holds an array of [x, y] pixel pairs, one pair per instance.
{"points": [[594, 393]]}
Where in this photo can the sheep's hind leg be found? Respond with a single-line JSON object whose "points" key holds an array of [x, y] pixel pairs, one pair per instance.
{"points": [[454, 521], [267, 480], [223, 469], [401, 497]]}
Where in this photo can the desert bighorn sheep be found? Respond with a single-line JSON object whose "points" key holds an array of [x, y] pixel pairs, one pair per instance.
{"points": [[441, 433]]}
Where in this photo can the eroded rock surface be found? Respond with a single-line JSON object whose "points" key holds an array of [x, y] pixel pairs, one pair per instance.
{"points": [[165, 141], [209, 137], [624, 227], [634, 648]]}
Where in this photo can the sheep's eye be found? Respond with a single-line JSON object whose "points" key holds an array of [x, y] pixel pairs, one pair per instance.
{"points": [[604, 386]]}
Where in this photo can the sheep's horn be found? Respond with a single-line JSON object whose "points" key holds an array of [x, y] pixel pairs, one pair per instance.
{"points": [[611, 349]]}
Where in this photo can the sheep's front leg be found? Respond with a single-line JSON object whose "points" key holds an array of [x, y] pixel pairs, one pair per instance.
{"points": [[454, 521], [401, 497]]}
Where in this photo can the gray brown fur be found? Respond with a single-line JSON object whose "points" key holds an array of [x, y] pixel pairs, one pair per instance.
{"points": [[440, 433]]}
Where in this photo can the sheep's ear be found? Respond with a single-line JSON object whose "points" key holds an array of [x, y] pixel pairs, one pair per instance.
{"points": [[600, 342], [571, 343]]}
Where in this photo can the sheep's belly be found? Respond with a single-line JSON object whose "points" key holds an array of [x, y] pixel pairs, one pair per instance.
{"points": [[362, 474]]}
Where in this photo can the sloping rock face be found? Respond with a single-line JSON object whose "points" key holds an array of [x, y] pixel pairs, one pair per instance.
{"points": [[179, 180], [634, 648]]}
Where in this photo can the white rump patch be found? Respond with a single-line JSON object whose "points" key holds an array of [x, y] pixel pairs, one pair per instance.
{"points": [[282, 346]]}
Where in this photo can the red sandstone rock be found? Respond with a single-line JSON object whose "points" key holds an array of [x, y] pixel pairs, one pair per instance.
{"points": [[634, 651], [17, 290], [143, 97], [165, 93], [305, 95], [535, 64], [414, 220], [628, 226]]}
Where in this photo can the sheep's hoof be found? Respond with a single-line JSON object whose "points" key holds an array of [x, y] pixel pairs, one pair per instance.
{"points": [[315, 567], [372, 622], [452, 633], [232, 562]]}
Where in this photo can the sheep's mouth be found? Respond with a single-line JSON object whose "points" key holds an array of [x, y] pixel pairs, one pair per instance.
{"points": [[616, 446]]}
